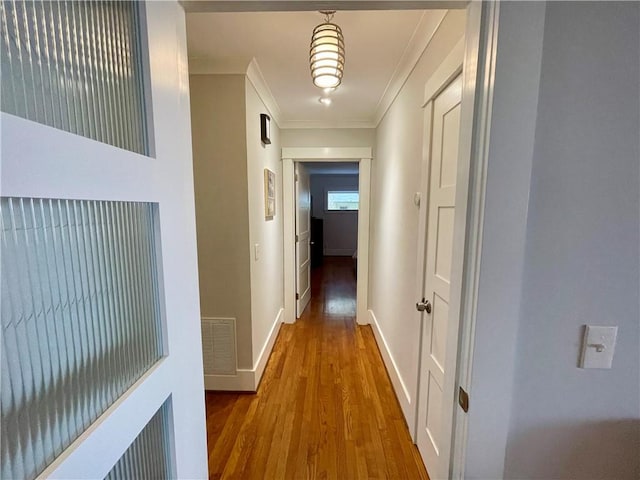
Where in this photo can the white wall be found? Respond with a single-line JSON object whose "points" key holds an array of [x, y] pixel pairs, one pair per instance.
{"points": [[222, 203], [328, 137], [560, 247], [334, 223], [340, 229], [229, 163], [267, 271], [513, 121], [581, 264], [394, 218]]}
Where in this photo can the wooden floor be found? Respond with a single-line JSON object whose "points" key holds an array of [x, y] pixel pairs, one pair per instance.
{"points": [[325, 407]]}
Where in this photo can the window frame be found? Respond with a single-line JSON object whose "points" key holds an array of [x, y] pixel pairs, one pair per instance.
{"points": [[327, 191]]}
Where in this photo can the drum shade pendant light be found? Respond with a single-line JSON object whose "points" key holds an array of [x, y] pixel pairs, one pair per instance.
{"points": [[326, 57]]}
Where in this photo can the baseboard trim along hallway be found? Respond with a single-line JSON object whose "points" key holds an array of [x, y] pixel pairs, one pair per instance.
{"points": [[247, 380], [267, 348], [402, 393]]}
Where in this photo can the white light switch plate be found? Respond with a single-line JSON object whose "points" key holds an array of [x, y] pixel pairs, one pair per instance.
{"points": [[256, 248], [598, 346]]}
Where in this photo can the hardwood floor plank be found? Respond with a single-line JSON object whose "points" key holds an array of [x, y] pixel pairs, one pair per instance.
{"points": [[325, 408]]}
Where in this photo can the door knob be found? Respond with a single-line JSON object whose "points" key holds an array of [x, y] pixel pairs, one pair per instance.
{"points": [[424, 306]]}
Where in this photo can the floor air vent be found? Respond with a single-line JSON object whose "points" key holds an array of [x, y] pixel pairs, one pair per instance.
{"points": [[219, 346]]}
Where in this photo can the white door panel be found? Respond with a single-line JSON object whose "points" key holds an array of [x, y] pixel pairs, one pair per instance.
{"points": [[44, 162], [303, 222], [435, 403]]}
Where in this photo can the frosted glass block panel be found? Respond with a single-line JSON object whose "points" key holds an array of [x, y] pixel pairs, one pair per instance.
{"points": [[76, 66], [149, 456], [81, 320]]}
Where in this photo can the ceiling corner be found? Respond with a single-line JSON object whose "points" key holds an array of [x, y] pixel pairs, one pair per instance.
{"points": [[420, 40], [254, 74]]}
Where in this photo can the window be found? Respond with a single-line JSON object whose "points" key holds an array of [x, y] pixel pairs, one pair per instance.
{"points": [[343, 200], [80, 319], [78, 67], [150, 454]]}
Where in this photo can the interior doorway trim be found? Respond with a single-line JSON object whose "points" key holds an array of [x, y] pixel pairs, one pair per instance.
{"points": [[480, 55], [361, 155]]}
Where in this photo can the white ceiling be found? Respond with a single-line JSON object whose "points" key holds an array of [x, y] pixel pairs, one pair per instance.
{"points": [[378, 45]]}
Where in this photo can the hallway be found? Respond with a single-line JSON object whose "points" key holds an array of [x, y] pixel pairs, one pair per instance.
{"points": [[325, 407]]}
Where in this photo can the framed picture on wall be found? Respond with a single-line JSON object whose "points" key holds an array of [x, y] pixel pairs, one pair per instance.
{"points": [[269, 194]]}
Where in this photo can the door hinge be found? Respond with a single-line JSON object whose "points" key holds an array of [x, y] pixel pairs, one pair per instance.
{"points": [[296, 238], [296, 177], [297, 296], [463, 399]]}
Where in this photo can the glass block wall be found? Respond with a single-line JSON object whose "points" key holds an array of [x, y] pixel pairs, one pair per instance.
{"points": [[149, 456], [80, 315], [76, 66]]}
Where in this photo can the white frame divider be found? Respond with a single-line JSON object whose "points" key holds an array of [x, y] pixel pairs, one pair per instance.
{"points": [[361, 155], [477, 92]]}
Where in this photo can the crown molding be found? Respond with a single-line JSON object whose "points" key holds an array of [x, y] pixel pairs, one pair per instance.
{"points": [[239, 66], [327, 124], [254, 74], [218, 66], [420, 40]]}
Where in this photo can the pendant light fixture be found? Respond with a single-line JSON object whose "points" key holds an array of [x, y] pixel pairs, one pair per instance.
{"points": [[326, 57]]}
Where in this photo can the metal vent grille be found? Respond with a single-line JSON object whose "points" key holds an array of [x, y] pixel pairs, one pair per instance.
{"points": [[80, 315], [219, 346], [76, 66]]}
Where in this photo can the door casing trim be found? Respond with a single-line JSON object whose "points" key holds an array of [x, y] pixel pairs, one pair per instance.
{"points": [[478, 71], [361, 155], [477, 94]]}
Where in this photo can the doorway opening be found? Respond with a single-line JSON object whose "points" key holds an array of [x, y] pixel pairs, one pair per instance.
{"points": [[297, 203], [326, 221]]}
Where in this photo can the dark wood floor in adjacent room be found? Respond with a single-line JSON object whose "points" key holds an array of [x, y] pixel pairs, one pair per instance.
{"points": [[325, 407]]}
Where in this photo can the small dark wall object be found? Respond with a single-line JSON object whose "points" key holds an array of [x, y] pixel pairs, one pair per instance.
{"points": [[265, 128]]}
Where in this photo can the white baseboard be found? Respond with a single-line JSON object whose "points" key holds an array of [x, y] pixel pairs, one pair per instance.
{"points": [[261, 363], [242, 381], [247, 380], [402, 393]]}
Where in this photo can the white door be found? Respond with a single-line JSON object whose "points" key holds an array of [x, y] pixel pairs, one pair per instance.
{"points": [[98, 272], [436, 402], [303, 223]]}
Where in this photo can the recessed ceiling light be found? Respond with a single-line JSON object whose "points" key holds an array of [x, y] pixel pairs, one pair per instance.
{"points": [[325, 101]]}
